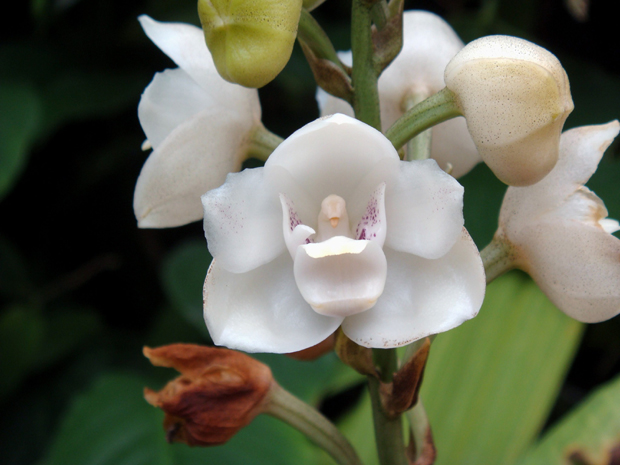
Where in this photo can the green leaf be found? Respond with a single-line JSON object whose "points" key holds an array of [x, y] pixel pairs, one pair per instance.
{"points": [[111, 424], [22, 332], [589, 435], [20, 120], [489, 384], [183, 274]]}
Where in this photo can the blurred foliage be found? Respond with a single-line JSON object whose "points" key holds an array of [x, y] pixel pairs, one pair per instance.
{"points": [[484, 376], [82, 289], [588, 435]]}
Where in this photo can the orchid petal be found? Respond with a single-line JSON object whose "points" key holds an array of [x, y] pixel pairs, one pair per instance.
{"points": [[424, 210], [262, 310], [429, 43], [581, 149], [577, 265], [354, 148], [422, 297], [194, 158], [243, 222], [170, 99], [340, 276]]}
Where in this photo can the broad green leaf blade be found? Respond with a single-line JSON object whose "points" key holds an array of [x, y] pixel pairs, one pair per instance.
{"points": [[20, 120], [489, 384], [183, 275], [588, 435], [111, 424]]}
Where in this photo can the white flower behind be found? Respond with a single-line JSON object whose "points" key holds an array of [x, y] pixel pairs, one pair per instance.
{"points": [[559, 233], [198, 125], [429, 43], [335, 229]]}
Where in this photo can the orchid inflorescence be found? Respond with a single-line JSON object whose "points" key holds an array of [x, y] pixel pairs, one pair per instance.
{"points": [[355, 226]]}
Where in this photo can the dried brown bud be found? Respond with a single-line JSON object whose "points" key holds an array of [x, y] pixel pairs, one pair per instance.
{"points": [[219, 392]]}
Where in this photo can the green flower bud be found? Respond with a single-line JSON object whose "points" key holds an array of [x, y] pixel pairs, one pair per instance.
{"points": [[250, 40]]}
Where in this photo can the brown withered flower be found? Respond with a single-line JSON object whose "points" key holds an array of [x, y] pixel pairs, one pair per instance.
{"points": [[219, 392]]}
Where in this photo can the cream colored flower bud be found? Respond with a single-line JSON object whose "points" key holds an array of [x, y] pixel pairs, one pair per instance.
{"points": [[250, 40], [515, 97]]}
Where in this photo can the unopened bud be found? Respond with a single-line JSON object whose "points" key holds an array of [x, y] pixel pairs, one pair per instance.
{"points": [[515, 97], [219, 392], [252, 40]]}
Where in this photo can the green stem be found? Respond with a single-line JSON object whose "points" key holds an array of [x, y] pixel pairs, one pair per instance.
{"points": [[309, 421], [436, 109], [364, 76], [262, 143], [311, 33], [418, 148], [498, 258], [388, 430]]}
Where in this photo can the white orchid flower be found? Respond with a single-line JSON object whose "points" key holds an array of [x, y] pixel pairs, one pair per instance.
{"points": [[198, 124], [429, 43], [515, 97], [557, 230], [337, 230]]}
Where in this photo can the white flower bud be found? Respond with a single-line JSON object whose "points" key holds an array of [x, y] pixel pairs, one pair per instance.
{"points": [[515, 97]]}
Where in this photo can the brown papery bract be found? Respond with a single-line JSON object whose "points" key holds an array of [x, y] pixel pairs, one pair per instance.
{"points": [[219, 392]]}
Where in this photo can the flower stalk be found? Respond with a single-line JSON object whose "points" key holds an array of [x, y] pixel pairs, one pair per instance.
{"points": [[366, 99], [436, 109], [307, 420], [262, 143], [497, 258], [388, 429]]}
